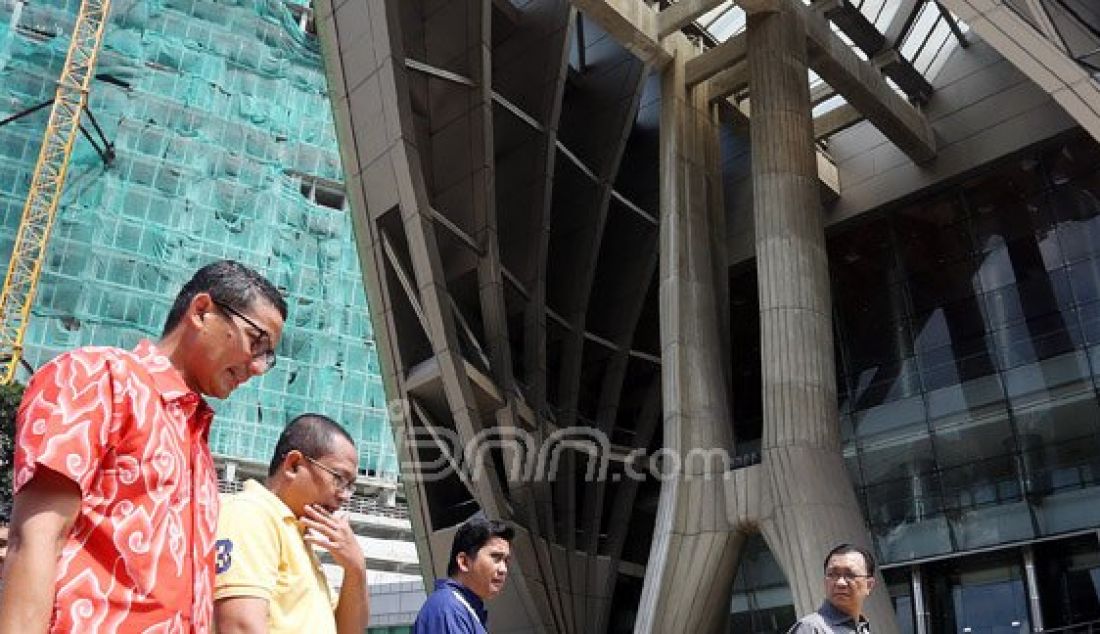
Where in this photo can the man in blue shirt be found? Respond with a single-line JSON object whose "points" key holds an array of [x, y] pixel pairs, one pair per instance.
{"points": [[476, 572]]}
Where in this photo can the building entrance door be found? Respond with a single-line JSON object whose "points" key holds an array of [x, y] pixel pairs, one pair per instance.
{"points": [[978, 595], [998, 607]]}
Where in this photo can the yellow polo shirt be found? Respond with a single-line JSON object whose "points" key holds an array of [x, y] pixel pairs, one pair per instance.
{"points": [[260, 553]]}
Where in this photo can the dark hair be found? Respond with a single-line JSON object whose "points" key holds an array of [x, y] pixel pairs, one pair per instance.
{"points": [[471, 536], [228, 282], [845, 549], [311, 434]]}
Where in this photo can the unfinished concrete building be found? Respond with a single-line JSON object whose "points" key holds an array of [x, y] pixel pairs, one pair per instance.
{"points": [[691, 291]]}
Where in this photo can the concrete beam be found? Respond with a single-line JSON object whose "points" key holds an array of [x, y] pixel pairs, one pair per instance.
{"points": [[893, 65], [728, 81], [632, 23], [863, 87], [760, 6], [681, 14], [875, 46], [820, 93], [828, 177], [736, 114], [853, 23], [835, 120], [713, 61]]}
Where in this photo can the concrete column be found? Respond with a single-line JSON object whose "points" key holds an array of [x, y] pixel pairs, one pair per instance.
{"points": [[689, 576], [814, 505]]}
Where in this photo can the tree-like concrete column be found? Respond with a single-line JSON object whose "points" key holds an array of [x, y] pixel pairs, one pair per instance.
{"points": [[813, 505], [692, 560]]}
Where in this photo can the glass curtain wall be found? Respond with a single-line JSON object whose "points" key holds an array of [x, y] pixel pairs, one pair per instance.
{"points": [[762, 601], [968, 345]]}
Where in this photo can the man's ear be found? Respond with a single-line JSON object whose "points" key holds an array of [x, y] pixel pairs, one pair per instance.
{"points": [[292, 461], [200, 304], [463, 561]]}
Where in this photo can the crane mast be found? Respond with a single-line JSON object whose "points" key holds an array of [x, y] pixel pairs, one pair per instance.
{"points": [[47, 183]]}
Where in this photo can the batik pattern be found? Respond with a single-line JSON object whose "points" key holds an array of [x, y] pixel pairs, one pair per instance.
{"points": [[126, 429]]}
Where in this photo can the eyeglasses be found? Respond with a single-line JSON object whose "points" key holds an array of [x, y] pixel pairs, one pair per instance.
{"points": [[341, 482], [260, 345], [849, 577]]}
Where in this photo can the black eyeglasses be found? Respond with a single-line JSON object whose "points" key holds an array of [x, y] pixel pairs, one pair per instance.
{"points": [[260, 346], [342, 482], [849, 577]]}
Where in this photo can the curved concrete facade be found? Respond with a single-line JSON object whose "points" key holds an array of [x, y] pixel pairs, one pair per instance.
{"points": [[508, 202]]}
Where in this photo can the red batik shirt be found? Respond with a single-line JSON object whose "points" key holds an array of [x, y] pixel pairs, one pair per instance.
{"points": [[126, 428]]}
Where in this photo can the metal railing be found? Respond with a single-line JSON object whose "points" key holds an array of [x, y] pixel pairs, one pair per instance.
{"points": [[363, 504], [371, 506]]}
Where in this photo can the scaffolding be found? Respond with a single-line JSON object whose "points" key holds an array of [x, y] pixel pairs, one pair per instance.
{"points": [[225, 147]]}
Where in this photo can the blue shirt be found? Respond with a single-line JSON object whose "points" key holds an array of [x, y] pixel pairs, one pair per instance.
{"points": [[452, 609]]}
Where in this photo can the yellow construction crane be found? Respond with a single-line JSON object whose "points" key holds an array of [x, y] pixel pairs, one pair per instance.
{"points": [[47, 183]]}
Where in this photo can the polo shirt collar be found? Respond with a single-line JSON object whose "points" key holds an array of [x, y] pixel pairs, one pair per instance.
{"points": [[475, 601], [833, 615], [265, 497], [169, 382]]}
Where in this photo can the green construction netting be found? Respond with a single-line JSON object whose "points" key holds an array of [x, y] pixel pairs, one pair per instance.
{"points": [[226, 148]]}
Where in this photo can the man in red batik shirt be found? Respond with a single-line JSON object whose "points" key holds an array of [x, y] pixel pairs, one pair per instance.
{"points": [[116, 498]]}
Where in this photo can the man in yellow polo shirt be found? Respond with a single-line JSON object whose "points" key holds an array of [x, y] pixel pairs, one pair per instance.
{"points": [[268, 577]]}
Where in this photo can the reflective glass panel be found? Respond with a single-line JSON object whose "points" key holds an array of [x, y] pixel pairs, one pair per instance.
{"points": [[968, 334]]}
